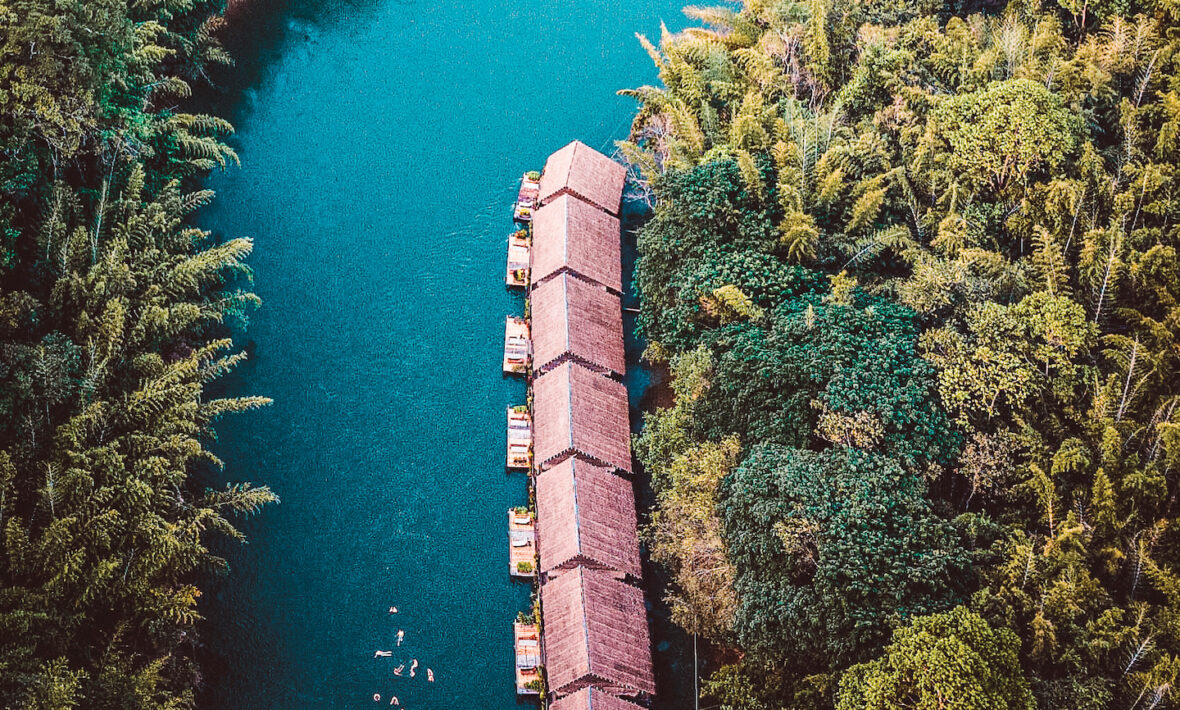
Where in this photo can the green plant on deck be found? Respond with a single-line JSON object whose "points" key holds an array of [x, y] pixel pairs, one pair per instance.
{"points": [[524, 567]]}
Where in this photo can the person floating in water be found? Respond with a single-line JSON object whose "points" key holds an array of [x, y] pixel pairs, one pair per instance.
{"points": [[413, 665], [399, 669], [393, 610], [429, 676], [376, 697], [393, 701], [382, 654], [400, 635]]}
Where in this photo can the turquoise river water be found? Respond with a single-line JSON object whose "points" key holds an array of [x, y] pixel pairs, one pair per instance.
{"points": [[381, 142]]}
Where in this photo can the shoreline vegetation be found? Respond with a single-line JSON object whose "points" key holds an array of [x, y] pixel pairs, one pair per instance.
{"points": [[115, 316], [913, 269]]}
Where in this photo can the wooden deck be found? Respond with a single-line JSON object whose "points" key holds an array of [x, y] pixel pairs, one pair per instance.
{"points": [[527, 639], [517, 346], [522, 544], [516, 273], [526, 197], [520, 438]]}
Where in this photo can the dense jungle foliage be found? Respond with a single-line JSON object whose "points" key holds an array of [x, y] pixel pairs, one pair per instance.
{"points": [[114, 315], [913, 270]]}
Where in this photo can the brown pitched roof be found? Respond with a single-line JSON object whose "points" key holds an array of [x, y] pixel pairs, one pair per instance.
{"points": [[595, 633], [578, 412], [592, 699], [586, 515], [579, 320], [570, 235], [579, 170]]}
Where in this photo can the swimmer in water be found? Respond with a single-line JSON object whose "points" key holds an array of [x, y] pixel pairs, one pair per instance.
{"points": [[393, 610], [382, 654], [400, 635], [376, 697], [393, 701], [429, 676], [413, 666], [398, 670]]}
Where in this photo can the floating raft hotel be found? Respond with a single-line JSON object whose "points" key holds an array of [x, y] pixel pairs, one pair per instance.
{"points": [[576, 238], [587, 517], [577, 412], [527, 640], [577, 321], [580, 171], [526, 197], [517, 348], [595, 645], [516, 274], [595, 635], [522, 543], [520, 438], [591, 699]]}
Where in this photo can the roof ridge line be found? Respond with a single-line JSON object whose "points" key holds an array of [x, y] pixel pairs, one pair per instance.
{"points": [[565, 230], [565, 291], [569, 390], [573, 154], [577, 518], [585, 617]]}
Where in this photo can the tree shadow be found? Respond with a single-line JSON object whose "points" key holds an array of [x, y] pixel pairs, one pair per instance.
{"points": [[258, 32]]}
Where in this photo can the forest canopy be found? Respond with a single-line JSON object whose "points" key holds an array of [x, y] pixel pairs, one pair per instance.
{"points": [[912, 269], [114, 318]]}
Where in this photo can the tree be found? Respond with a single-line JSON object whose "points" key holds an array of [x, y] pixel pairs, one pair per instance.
{"points": [[830, 550], [1002, 135], [685, 533], [113, 322], [948, 661], [1011, 356], [819, 371]]}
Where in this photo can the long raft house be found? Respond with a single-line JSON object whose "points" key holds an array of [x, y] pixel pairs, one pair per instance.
{"points": [[595, 646]]}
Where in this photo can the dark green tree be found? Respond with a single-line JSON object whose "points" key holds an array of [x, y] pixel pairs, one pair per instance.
{"points": [[832, 549]]}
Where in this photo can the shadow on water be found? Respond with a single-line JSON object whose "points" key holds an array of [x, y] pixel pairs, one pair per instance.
{"points": [[648, 390], [257, 33]]}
